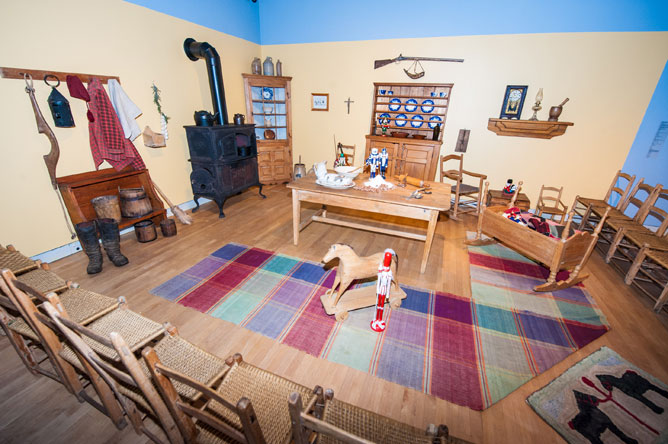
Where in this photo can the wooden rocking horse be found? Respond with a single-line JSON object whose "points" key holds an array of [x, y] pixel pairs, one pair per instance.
{"points": [[352, 267]]}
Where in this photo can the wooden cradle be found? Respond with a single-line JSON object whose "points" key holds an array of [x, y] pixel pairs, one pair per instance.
{"points": [[567, 253]]}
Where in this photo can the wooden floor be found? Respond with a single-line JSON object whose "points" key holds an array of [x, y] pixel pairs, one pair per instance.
{"points": [[39, 410]]}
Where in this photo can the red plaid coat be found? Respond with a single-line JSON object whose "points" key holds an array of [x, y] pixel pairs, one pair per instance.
{"points": [[107, 140]]}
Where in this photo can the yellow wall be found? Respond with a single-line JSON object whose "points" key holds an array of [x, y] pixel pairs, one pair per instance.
{"points": [[99, 37], [609, 78]]}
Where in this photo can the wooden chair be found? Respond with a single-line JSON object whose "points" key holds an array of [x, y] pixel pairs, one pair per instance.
{"points": [[34, 273], [651, 265], [248, 406], [460, 189], [615, 190], [630, 237], [170, 348], [334, 421], [348, 152], [551, 204]]}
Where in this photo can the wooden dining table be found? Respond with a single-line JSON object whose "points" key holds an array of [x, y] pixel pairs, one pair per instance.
{"points": [[394, 202]]}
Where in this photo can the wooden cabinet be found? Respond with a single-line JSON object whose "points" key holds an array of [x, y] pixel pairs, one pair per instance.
{"points": [[417, 158], [268, 107], [416, 110]]}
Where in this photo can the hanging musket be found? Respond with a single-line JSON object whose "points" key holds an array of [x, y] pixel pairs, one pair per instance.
{"points": [[50, 159], [416, 60]]}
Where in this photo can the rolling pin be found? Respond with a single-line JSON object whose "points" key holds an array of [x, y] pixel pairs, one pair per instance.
{"points": [[406, 179]]}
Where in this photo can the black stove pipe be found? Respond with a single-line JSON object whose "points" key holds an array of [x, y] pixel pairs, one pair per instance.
{"points": [[202, 50]]}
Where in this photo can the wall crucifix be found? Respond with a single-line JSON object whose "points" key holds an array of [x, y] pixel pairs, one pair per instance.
{"points": [[348, 102]]}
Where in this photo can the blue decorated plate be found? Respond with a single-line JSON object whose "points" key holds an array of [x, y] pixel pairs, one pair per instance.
{"points": [[395, 104], [401, 120], [380, 118], [417, 121], [433, 121], [267, 93], [427, 106], [411, 105]]}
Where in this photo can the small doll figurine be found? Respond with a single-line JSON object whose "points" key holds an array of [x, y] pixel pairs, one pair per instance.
{"points": [[374, 162], [384, 125], [509, 188], [383, 162], [514, 214]]}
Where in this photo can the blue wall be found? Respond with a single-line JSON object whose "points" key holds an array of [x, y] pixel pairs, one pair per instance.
{"points": [[239, 18], [270, 22], [652, 166]]}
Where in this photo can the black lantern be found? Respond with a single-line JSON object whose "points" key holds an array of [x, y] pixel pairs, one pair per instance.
{"points": [[59, 105]]}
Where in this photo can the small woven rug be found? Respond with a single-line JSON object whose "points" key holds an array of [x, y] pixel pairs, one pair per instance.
{"points": [[605, 399], [436, 342]]}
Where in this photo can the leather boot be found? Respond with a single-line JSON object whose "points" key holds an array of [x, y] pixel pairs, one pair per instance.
{"points": [[111, 240], [87, 234]]}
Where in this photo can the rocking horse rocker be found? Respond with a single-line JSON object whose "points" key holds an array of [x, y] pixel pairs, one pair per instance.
{"points": [[352, 267]]}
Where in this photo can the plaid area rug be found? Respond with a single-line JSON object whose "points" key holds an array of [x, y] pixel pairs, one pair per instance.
{"points": [[604, 398], [436, 342], [522, 333]]}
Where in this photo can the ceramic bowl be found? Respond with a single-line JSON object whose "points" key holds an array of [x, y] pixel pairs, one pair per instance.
{"points": [[348, 171], [399, 134], [418, 136]]}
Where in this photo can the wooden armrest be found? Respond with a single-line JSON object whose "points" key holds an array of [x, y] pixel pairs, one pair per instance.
{"points": [[482, 176]]}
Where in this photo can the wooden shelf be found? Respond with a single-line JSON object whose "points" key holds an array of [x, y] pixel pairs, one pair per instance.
{"points": [[538, 129]]}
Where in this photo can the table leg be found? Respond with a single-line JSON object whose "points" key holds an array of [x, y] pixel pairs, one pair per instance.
{"points": [[431, 230], [296, 216]]}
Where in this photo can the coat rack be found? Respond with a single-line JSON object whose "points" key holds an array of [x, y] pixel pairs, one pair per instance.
{"points": [[38, 74]]}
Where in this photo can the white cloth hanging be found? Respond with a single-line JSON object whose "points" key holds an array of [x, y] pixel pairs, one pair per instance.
{"points": [[125, 108]]}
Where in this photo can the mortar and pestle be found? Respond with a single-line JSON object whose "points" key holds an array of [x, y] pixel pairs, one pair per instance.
{"points": [[555, 111]]}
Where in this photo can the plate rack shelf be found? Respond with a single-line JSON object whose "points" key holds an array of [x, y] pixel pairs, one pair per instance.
{"points": [[413, 108]]}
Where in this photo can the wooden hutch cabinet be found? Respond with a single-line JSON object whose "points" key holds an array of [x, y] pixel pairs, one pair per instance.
{"points": [[415, 109], [268, 107]]}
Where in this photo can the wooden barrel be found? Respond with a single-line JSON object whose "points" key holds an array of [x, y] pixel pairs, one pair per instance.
{"points": [[107, 207], [134, 202], [145, 231], [168, 227]]}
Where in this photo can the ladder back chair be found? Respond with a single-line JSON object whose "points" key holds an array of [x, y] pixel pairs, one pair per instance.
{"points": [[335, 421], [130, 389], [348, 152], [651, 266], [467, 198], [549, 201], [248, 406], [620, 191], [631, 237], [34, 273]]}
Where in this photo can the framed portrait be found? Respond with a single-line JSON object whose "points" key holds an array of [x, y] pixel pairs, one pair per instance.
{"points": [[319, 102], [513, 102]]}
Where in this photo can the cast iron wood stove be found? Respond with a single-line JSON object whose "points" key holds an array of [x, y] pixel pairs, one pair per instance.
{"points": [[224, 161], [223, 156]]}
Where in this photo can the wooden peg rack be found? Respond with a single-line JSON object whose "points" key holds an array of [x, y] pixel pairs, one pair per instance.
{"points": [[38, 74]]}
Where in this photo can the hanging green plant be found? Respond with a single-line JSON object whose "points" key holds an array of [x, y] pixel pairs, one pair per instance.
{"points": [[163, 117]]}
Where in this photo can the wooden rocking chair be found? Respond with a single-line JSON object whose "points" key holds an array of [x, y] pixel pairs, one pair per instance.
{"points": [[335, 421], [248, 406], [551, 204], [472, 194]]}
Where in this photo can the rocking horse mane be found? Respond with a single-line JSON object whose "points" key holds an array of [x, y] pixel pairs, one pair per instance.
{"points": [[345, 245]]}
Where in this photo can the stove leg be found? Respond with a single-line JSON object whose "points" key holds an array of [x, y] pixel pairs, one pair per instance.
{"points": [[196, 199], [220, 207], [260, 192]]}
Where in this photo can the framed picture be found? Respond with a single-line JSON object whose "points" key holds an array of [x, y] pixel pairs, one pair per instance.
{"points": [[319, 102], [513, 102]]}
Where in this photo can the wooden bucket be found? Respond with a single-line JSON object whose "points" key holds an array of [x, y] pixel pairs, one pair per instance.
{"points": [[168, 227], [107, 207], [134, 202], [145, 231]]}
